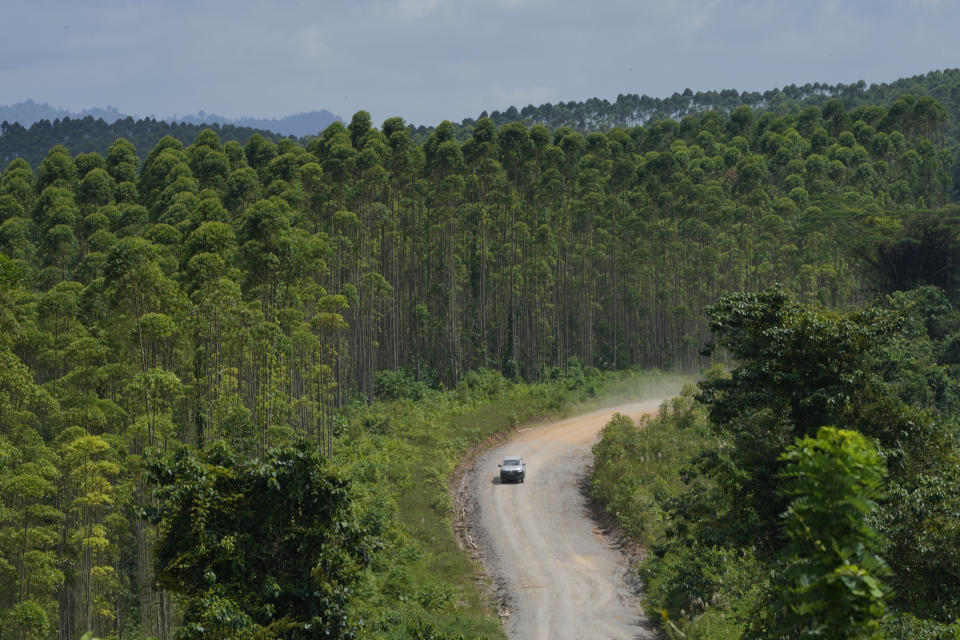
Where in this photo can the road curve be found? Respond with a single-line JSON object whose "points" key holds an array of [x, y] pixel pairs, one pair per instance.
{"points": [[560, 577]]}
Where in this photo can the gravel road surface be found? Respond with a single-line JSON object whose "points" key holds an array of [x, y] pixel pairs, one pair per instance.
{"points": [[559, 576]]}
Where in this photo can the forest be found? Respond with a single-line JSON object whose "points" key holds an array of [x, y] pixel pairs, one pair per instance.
{"points": [[629, 110], [92, 133], [812, 490], [186, 326]]}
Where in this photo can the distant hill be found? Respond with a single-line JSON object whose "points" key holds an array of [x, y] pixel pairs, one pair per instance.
{"points": [[594, 114], [299, 125], [87, 135], [630, 110], [29, 112]]}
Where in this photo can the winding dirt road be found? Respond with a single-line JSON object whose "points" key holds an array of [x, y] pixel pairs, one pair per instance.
{"points": [[560, 577]]}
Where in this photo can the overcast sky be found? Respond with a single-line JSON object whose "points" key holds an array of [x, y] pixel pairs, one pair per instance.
{"points": [[429, 60]]}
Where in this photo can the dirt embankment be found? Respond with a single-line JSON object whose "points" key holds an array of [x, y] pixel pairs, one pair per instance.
{"points": [[558, 575]]}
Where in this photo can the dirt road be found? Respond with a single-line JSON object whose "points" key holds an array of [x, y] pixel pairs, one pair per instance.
{"points": [[560, 577]]}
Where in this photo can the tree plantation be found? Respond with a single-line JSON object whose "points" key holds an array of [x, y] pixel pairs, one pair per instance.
{"points": [[189, 336]]}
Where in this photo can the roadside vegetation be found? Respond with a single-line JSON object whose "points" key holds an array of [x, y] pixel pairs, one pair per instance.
{"points": [[811, 490], [401, 455]]}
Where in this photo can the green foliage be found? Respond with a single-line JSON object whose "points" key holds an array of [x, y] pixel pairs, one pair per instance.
{"points": [[832, 579], [637, 467], [797, 369], [30, 521], [420, 630], [395, 385], [255, 291], [922, 251], [271, 544], [803, 510], [402, 456], [642, 474], [908, 627], [710, 591], [95, 135]]}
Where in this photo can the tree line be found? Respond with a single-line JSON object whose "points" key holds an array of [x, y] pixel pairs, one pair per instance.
{"points": [[241, 294], [629, 110], [633, 109], [90, 134]]}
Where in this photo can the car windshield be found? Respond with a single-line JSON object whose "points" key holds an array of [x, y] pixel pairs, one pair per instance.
{"points": [[511, 462]]}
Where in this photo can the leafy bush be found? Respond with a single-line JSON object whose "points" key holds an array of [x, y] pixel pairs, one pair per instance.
{"points": [[639, 469], [437, 596], [907, 627], [760, 488], [420, 630], [482, 384], [395, 385], [831, 580], [264, 545], [711, 588]]}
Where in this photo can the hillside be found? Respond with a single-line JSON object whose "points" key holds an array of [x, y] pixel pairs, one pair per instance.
{"points": [[177, 310], [42, 126], [629, 110], [300, 125], [89, 135], [29, 113]]}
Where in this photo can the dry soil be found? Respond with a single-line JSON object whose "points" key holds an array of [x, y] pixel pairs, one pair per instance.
{"points": [[559, 575]]}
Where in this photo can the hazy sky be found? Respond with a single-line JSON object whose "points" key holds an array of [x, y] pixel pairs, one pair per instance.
{"points": [[429, 60]]}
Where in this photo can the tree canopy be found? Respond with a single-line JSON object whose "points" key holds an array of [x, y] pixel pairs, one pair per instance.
{"points": [[272, 545], [213, 293]]}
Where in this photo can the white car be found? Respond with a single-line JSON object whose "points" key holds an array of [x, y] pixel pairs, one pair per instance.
{"points": [[513, 469]]}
